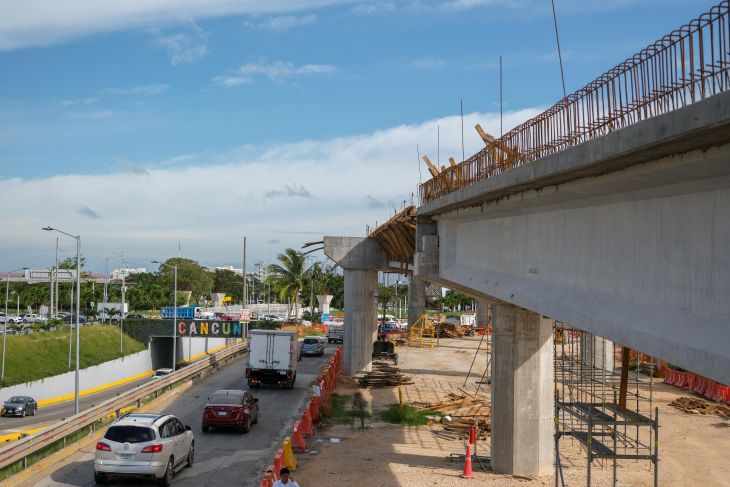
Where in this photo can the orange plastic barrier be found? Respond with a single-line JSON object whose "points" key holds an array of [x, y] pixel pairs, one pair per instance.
{"points": [[306, 423], [299, 444], [278, 461]]}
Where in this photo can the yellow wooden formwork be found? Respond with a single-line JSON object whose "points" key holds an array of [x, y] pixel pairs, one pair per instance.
{"points": [[423, 333]]}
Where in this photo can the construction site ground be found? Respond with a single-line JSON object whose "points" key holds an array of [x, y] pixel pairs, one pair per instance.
{"points": [[694, 449]]}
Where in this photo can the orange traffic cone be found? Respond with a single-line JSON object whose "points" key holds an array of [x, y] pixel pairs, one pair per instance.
{"points": [[467, 463]]}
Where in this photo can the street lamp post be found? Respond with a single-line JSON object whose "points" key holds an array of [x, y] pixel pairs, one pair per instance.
{"points": [[5, 325], [78, 310], [174, 314]]}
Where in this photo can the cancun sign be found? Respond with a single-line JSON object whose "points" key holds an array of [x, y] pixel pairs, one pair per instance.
{"points": [[211, 329]]}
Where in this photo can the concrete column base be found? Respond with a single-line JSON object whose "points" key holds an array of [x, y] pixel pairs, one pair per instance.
{"points": [[416, 300], [361, 323], [596, 351], [522, 392], [483, 312]]}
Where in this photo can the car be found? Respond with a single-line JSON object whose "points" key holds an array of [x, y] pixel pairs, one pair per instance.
{"points": [[160, 373], [231, 408], [10, 319], [62, 314], [453, 320], [312, 346], [33, 318], [135, 317], [152, 446], [20, 406], [273, 317], [224, 317], [72, 319]]}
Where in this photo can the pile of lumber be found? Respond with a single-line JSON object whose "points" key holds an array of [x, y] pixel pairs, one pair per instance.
{"points": [[696, 405], [460, 414], [449, 330], [382, 375]]}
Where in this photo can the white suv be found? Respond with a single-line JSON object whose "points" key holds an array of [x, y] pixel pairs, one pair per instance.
{"points": [[151, 446]]}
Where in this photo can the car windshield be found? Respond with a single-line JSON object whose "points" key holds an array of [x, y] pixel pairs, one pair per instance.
{"points": [[311, 341], [15, 399], [129, 434], [160, 373], [221, 399]]}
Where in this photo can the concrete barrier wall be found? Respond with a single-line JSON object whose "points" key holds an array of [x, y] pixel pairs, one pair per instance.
{"points": [[102, 376]]}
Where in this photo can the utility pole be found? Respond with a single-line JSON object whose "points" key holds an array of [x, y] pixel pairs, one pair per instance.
{"points": [[121, 323]]}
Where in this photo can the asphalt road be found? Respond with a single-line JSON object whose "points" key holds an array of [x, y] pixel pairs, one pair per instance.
{"points": [[222, 458], [55, 412]]}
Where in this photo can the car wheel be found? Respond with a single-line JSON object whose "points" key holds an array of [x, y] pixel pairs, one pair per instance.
{"points": [[100, 478], [22, 415], [247, 426], [205, 428], [191, 455], [166, 479], [35, 410], [256, 418]]}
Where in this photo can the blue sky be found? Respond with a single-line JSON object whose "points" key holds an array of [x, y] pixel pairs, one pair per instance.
{"points": [[142, 124]]}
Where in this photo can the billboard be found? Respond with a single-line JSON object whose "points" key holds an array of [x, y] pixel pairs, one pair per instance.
{"points": [[211, 329]]}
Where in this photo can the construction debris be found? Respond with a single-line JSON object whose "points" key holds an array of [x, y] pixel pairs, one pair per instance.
{"points": [[696, 405], [450, 330], [382, 375], [463, 412]]}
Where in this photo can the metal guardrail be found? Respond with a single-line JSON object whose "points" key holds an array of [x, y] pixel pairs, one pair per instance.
{"points": [[690, 64], [22, 449]]}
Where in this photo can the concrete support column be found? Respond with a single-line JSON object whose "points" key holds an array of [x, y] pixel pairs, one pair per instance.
{"points": [[416, 299], [361, 321], [596, 351], [522, 392], [324, 301], [483, 312]]}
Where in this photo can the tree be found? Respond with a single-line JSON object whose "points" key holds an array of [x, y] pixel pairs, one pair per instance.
{"points": [[228, 282], [384, 296], [70, 262], [191, 276], [287, 279]]}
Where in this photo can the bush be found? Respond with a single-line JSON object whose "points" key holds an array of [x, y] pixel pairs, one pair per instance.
{"points": [[406, 414]]}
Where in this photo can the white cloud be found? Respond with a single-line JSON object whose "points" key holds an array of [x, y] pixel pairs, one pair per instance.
{"points": [[146, 90], [426, 63], [183, 46], [83, 101], [333, 186], [32, 23], [281, 22], [276, 71], [373, 8]]}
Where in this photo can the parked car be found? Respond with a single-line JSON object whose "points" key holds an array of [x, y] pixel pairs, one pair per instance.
{"points": [[273, 317], [312, 346], [62, 314], [224, 317], [144, 445], [231, 408], [20, 406], [72, 319], [135, 317], [33, 318], [10, 319], [160, 373], [453, 320]]}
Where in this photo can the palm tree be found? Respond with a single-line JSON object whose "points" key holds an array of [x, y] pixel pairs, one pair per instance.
{"points": [[287, 279]]}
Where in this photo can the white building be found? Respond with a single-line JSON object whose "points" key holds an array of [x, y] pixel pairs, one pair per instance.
{"points": [[118, 273]]}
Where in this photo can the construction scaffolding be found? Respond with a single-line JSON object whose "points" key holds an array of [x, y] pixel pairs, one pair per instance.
{"points": [[610, 418]]}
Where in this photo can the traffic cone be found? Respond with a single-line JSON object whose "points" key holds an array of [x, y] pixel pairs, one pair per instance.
{"points": [[467, 463], [472, 439]]}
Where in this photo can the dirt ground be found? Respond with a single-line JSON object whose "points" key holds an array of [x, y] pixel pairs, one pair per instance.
{"points": [[694, 449]]}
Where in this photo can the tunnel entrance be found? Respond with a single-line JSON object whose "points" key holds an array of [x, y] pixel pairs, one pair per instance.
{"points": [[161, 351]]}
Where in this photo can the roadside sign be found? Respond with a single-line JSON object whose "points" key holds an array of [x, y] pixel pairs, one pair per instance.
{"points": [[246, 315]]}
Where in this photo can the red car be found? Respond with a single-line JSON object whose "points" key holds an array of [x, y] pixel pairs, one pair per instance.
{"points": [[231, 409]]}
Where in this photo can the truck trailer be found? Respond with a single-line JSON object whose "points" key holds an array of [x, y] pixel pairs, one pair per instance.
{"points": [[272, 358]]}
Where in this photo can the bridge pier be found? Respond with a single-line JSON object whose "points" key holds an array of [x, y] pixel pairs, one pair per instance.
{"points": [[361, 319], [522, 392], [596, 352], [416, 299]]}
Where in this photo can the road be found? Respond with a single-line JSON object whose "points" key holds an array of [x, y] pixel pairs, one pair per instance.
{"points": [[221, 458], [49, 414]]}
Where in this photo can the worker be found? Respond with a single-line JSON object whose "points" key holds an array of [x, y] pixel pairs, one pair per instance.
{"points": [[285, 480]]}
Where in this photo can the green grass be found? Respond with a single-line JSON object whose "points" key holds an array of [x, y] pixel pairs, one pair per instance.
{"points": [[406, 415], [39, 355], [340, 411]]}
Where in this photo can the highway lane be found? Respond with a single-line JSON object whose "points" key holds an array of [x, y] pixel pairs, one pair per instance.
{"points": [[222, 458], [49, 414]]}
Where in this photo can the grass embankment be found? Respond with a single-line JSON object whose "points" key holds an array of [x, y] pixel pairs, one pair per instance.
{"points": [[39, 355], [344, 410]]}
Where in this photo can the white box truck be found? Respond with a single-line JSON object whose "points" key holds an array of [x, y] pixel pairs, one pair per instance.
{"points": [[272, 357], [335, 332]]}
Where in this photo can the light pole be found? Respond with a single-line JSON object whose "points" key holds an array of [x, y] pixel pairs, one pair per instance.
{"points": [[78, 310], [106, 285], [174, 314], [5, 325]]}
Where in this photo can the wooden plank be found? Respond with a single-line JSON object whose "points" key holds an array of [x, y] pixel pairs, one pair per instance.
{"points": [[433, 169]]}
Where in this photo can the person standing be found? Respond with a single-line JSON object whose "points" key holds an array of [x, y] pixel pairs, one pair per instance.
{"points": [[285, 480]]}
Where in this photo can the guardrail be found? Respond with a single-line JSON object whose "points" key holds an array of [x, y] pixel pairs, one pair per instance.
{"points": [[21, 450], [689, 64]]}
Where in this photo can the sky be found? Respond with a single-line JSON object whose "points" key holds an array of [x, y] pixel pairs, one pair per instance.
{"points": [[148, 126]]}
